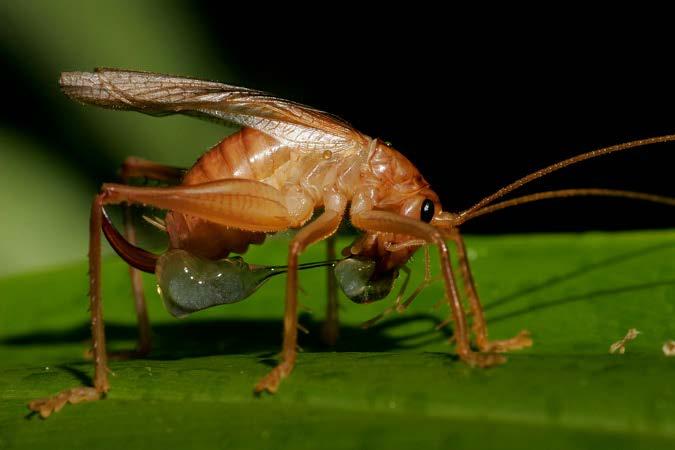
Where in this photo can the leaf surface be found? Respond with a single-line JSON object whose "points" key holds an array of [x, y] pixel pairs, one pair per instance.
{"points": [[395, 385]]}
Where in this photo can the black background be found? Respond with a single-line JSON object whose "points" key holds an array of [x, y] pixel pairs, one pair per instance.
{"points": [[475, 101]]}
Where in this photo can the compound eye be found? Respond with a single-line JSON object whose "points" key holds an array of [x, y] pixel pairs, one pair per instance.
{"points": [[427, 211]]}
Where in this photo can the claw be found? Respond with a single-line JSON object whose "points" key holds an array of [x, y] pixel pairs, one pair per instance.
{"points": [[271, 381]]}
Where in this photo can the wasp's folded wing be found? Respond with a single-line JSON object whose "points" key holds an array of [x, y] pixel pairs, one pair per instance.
{"points": [[157, 94]]}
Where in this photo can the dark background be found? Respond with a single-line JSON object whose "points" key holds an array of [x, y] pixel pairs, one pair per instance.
{"points": [[475, 109], [475, 100]]}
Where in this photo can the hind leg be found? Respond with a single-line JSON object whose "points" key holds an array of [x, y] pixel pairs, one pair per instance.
{"points": [[46, 406], [134, 167], [219, 201]]}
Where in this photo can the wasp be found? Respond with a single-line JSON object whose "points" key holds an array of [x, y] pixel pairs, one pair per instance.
{"points": [[289, 167]]}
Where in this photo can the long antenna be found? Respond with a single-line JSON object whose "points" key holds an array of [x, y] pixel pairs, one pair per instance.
{"points": [[566, 193], [561, 164]]}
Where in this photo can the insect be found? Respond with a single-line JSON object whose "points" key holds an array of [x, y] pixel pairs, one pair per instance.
{"points": [[287, 162]]}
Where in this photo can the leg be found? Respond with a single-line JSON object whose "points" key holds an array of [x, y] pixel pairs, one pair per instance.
{"points": [[220, 200], [144, 338], [134, 167], [140, 168], [331, 326], [385, 221], [48, 405], [325, 225], [399, 304], [428, 279], [240, 203], [522, 340]]}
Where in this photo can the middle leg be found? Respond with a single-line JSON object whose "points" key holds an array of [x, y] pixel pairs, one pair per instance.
{"points": [[325, 225], [388, 222]]}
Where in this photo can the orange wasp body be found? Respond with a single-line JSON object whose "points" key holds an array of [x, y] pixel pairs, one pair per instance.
{"points": [[287, 161]]}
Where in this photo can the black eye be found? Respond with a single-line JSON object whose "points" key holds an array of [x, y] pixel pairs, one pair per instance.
{"points": [[427, 211]]}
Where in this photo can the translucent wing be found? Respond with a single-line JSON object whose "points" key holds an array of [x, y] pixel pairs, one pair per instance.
{"points": [[291, 123]]}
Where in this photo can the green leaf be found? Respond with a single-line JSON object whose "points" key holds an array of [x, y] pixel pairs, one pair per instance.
{"points": [[393, 386]]}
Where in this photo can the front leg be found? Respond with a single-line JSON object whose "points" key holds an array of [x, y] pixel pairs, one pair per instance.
{"points": [[388, 222], [325, 225], [520, 341]]}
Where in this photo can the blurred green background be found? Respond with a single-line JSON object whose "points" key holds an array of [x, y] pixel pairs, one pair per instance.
{"points": [[53, 152]]}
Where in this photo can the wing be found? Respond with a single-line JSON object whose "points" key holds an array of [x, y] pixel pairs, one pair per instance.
{"points": [[291, 123]]}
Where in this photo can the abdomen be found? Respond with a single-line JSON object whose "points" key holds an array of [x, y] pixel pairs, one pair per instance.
{"points": [[246, 154]]}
